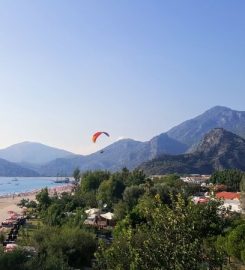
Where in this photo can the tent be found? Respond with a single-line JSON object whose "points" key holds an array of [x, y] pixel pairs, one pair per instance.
{"points": [[92, 211], [108, 216]]}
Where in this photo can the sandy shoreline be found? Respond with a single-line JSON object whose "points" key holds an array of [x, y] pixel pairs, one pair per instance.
{"points": [[9, 202]]}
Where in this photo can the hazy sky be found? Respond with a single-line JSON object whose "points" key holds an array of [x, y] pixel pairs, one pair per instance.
{"points": [[133, 68]]}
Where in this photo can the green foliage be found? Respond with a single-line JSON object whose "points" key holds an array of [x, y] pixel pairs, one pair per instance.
{"points": [[54, 262], [110, 191], [136, 177], [15, 260], [210, 218], [236, 242], [2, 237], [170, 238], [170, 179], [58, 212], [242, 200], [92, 180], [66, 247], [158, 227], [77, 175], [242, 184], [232, 242], [43, 199], [101, 186], [54, 215], [32, 204], [230, 178], [214, 257], [27, 203], [120, 210], [23, 202], [89, 199], [131, 195], [163, 191], [170, 184]]}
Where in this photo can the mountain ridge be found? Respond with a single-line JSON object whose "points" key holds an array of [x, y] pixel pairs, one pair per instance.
{"points": [[12, 169], [123, 153], [219, 149], [191, 131], [130, 153], [171, 142], [32, 152]]}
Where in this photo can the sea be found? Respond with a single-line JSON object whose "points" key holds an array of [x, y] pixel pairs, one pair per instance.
{"points": [[16, 185]]}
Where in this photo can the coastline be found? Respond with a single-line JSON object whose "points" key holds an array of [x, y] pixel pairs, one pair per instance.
{"points": [[9, 202], [51, 190]]}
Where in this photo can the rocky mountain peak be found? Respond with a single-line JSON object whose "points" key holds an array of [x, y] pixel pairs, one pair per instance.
{"points": [[191, 131], [219, 140]]}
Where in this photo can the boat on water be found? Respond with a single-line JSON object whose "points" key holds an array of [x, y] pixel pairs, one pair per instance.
{"points": [[15, 179], [62, 181]]}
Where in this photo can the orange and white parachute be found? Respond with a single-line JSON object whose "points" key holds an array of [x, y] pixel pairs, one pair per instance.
{"points": [[97, 134]]}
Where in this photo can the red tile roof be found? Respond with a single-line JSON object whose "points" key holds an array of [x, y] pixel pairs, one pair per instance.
{"points": [[228, 195]]}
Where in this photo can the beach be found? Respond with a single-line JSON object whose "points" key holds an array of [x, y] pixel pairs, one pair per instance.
{"points": [[9, 203]]}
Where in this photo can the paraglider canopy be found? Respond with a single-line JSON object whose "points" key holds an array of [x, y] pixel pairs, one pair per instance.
{"points": [[97, 134]]}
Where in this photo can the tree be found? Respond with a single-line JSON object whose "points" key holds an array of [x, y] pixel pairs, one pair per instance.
{"points": [[2, 237], [92, 180], [15, 260], [236, 242], [131, 195], [168, 239], [242, 184], [23, 202], [32, 204], [54, 215], [170, 179], [63, 247], [110, 191], [120, 210], [77, 176], [242, 195], [43, 199], [136, 177], [231, 178]]}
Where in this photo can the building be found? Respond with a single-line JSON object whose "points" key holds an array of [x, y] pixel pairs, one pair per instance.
{"points": [[231, 200]]}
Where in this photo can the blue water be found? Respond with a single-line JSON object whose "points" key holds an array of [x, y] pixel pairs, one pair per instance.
{"points": [[25, 184]]}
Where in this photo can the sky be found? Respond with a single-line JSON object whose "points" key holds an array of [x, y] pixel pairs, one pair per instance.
{"points": [[131, 68]]}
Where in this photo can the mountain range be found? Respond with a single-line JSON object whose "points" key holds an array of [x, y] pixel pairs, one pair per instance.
{"points": [[218, 150], [192, 131], [124, 153], [32, 153], [182, 139], [12, 169]]}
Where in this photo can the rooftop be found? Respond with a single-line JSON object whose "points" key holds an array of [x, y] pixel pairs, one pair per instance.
{"points": [[228, 195]]}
